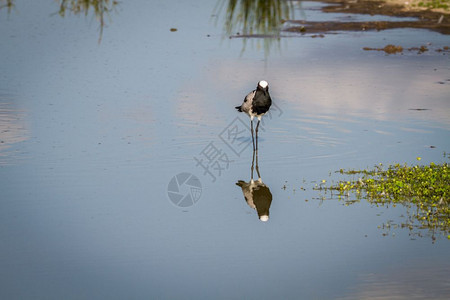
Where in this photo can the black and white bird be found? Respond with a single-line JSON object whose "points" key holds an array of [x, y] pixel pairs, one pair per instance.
{"points": [[256, 104], [258, 196], [256, 193]]}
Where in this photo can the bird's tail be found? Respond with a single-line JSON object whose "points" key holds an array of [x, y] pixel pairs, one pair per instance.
{"points": [[241, 183], [239, 109]]}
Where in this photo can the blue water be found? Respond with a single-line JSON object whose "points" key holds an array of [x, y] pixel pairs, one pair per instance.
{"points": [[92, 133]]}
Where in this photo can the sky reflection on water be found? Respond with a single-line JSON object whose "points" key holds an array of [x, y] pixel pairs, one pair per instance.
{"points": [[102, 129]]}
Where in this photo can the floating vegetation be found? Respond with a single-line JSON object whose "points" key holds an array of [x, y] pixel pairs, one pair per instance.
{"points": [[393, 49], [443, 49], [389, 49], [424, 190]]}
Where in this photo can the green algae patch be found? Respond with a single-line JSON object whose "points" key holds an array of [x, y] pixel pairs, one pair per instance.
{"points": [[424, 189]]}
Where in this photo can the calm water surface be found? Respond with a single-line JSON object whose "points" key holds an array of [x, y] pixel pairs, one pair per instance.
{"points": [[92, 134]]}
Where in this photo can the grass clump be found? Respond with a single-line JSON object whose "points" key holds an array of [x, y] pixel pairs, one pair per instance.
{"points": [[443, 4], [425, 189]]}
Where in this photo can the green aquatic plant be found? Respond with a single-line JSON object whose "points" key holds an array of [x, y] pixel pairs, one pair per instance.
{"points": [[7, 3], [101, 8], [84, 6], [256, 16], [260, 20], [423, 189]]}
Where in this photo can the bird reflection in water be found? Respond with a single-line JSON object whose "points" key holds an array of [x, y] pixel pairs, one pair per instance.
{"points": [[256, 193]]}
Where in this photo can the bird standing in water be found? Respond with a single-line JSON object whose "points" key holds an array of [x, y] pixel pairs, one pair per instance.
{"points": [[256, 104]]}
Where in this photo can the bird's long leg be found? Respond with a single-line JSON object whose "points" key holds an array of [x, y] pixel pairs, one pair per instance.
{"points": [[253, 139], [253, 163], [257, 167], [257, 126]]}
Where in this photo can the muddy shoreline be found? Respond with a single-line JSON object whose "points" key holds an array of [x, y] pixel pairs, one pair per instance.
{"points": [[426, 19]]}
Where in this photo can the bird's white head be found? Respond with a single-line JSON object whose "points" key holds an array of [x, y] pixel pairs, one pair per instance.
{"points": [[264, 218], [263, 84]]}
